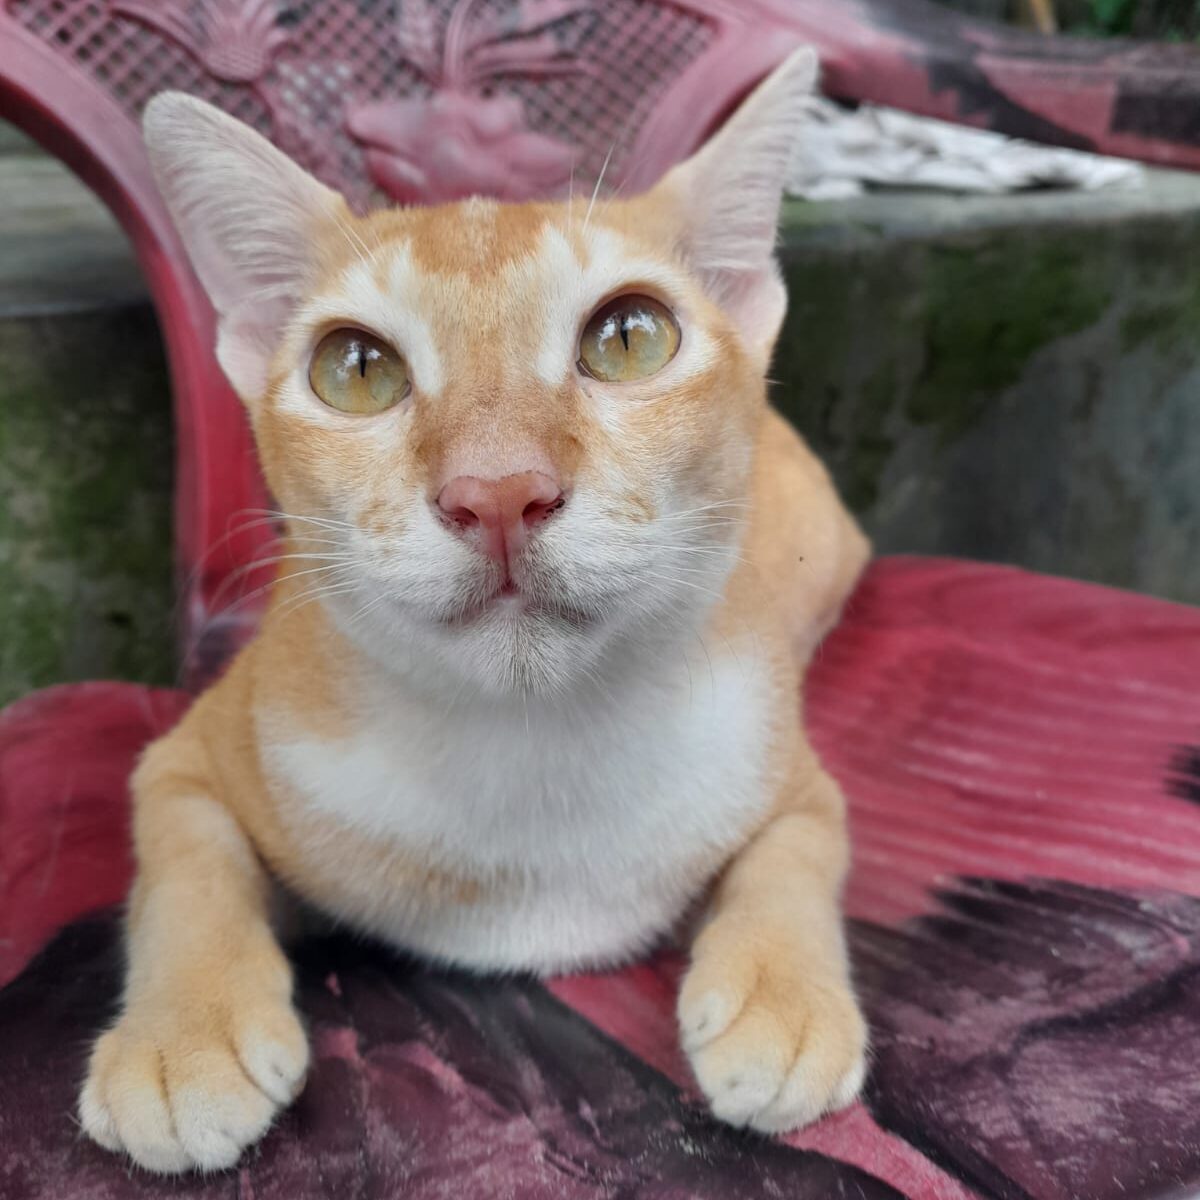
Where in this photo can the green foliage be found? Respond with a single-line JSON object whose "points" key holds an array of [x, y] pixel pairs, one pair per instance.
{"points": [[1113, 16], [1166, 20]]}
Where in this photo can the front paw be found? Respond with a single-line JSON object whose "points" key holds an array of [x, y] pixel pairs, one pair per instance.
{"points": [[187, 1085], [772, 1041]]}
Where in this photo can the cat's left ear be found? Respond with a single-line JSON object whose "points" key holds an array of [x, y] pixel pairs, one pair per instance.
{"points": [[251, 220], [725, 201]]}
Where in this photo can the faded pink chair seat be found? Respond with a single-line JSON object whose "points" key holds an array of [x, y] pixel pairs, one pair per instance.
{"points": [[1022, 761]]}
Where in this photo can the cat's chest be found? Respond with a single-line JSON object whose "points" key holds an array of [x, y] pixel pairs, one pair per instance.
{"points": [[578, 835]]}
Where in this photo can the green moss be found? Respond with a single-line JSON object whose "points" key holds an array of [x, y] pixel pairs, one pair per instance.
{"points": [[85, 483], [988, 309], [873, 446], [1168, 323], [889, 339], [841, 371]]}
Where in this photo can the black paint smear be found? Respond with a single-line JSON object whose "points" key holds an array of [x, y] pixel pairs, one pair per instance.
{"points": [[1168, 114], [1156, 85], [424, 1085], [1183, 777], [1040, 1041], [977, 95], [948, 58]]}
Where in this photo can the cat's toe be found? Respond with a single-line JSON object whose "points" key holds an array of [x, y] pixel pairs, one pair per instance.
{"points": [[176, 1097], [777, 1054]]}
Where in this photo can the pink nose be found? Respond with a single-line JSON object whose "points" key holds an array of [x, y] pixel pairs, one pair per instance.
{"points": [[498, 515]]}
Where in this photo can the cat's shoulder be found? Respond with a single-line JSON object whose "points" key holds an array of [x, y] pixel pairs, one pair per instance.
{"points": [[803, 550]]}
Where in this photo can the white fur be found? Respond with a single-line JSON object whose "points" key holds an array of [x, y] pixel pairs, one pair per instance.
{"points": [[590, 824]]}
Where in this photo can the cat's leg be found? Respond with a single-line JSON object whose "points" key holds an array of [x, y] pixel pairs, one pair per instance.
{"points": [[766, 1012], [207, 1047]]}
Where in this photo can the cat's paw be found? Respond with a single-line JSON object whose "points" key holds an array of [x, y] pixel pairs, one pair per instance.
{"points": [[189, 1088], [773, 1045]]}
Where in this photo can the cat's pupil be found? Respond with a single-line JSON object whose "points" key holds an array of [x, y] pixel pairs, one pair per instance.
{"points": [[625, 332], [362, 362]]}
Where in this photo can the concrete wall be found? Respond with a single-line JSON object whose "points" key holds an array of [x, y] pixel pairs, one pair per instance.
{"points": [[85, 443], [1014, 379]]}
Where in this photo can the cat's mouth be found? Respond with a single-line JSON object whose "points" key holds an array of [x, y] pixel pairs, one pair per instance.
{"points": [[510, 601]]}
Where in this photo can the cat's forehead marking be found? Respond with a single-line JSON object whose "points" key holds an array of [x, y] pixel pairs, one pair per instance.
{"points": [[477, 239]]}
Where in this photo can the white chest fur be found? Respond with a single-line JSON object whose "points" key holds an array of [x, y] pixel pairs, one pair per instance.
{"points": [[588, 827]]}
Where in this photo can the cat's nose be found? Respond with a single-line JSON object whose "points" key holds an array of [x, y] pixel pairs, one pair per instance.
{"points": [[498, 515]]}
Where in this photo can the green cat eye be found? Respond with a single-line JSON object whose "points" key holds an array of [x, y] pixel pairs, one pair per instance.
{"points": [[631, 337], [357, 373]]}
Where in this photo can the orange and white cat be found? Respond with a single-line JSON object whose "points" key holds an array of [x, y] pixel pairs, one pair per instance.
{"points": [[528, 692]]}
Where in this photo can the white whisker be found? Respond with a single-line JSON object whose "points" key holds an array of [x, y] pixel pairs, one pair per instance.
{"points": [[599, 181]]}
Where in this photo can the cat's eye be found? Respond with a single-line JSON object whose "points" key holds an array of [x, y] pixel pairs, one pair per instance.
{"points": [[631, 337], [357, 373]]}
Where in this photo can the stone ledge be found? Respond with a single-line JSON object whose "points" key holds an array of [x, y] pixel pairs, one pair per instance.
{"points": [[1012, 378], [61, 251]]}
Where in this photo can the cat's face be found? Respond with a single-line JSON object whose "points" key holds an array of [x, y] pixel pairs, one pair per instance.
{"points": [[521, 435]]}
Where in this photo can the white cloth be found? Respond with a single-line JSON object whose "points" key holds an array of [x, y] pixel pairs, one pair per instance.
{"points": [[839, 151]]}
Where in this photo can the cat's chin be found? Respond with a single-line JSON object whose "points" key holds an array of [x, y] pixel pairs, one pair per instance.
{"points": [[509, 645], [514, 646]]}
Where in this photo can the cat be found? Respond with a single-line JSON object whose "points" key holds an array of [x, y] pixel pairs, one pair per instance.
{"points": [[527, 693]]}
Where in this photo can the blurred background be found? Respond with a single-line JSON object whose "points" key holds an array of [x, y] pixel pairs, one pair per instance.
{"points": [[1171, 20], [1006, 377]]}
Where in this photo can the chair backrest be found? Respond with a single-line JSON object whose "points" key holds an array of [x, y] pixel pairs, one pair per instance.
{"points": [[427, 100]]}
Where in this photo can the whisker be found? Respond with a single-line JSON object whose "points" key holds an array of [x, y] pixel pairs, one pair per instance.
{"points": [[365, 610], [599, 181], [250, 597], [718, 504], [327, 522], [320, 592], [684, 583], [356, 243], [261, 563]]}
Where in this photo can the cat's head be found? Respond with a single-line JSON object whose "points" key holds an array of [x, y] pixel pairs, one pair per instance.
{"points": [[520, 435]]}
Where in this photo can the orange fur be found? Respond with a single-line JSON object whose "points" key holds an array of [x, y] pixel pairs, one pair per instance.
{"points": [[207, 1046]]}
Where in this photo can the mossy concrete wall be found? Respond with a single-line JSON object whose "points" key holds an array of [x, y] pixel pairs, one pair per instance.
{"points": [[85, 445], [85, 478], [1013, 379]]}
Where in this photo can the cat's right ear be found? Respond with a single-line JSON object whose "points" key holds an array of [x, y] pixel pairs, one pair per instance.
{"points": [[251, 221], [726, 200]]}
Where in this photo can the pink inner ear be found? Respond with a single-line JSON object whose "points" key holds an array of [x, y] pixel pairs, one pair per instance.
{"points": [[247, 339], [756, 300]]}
